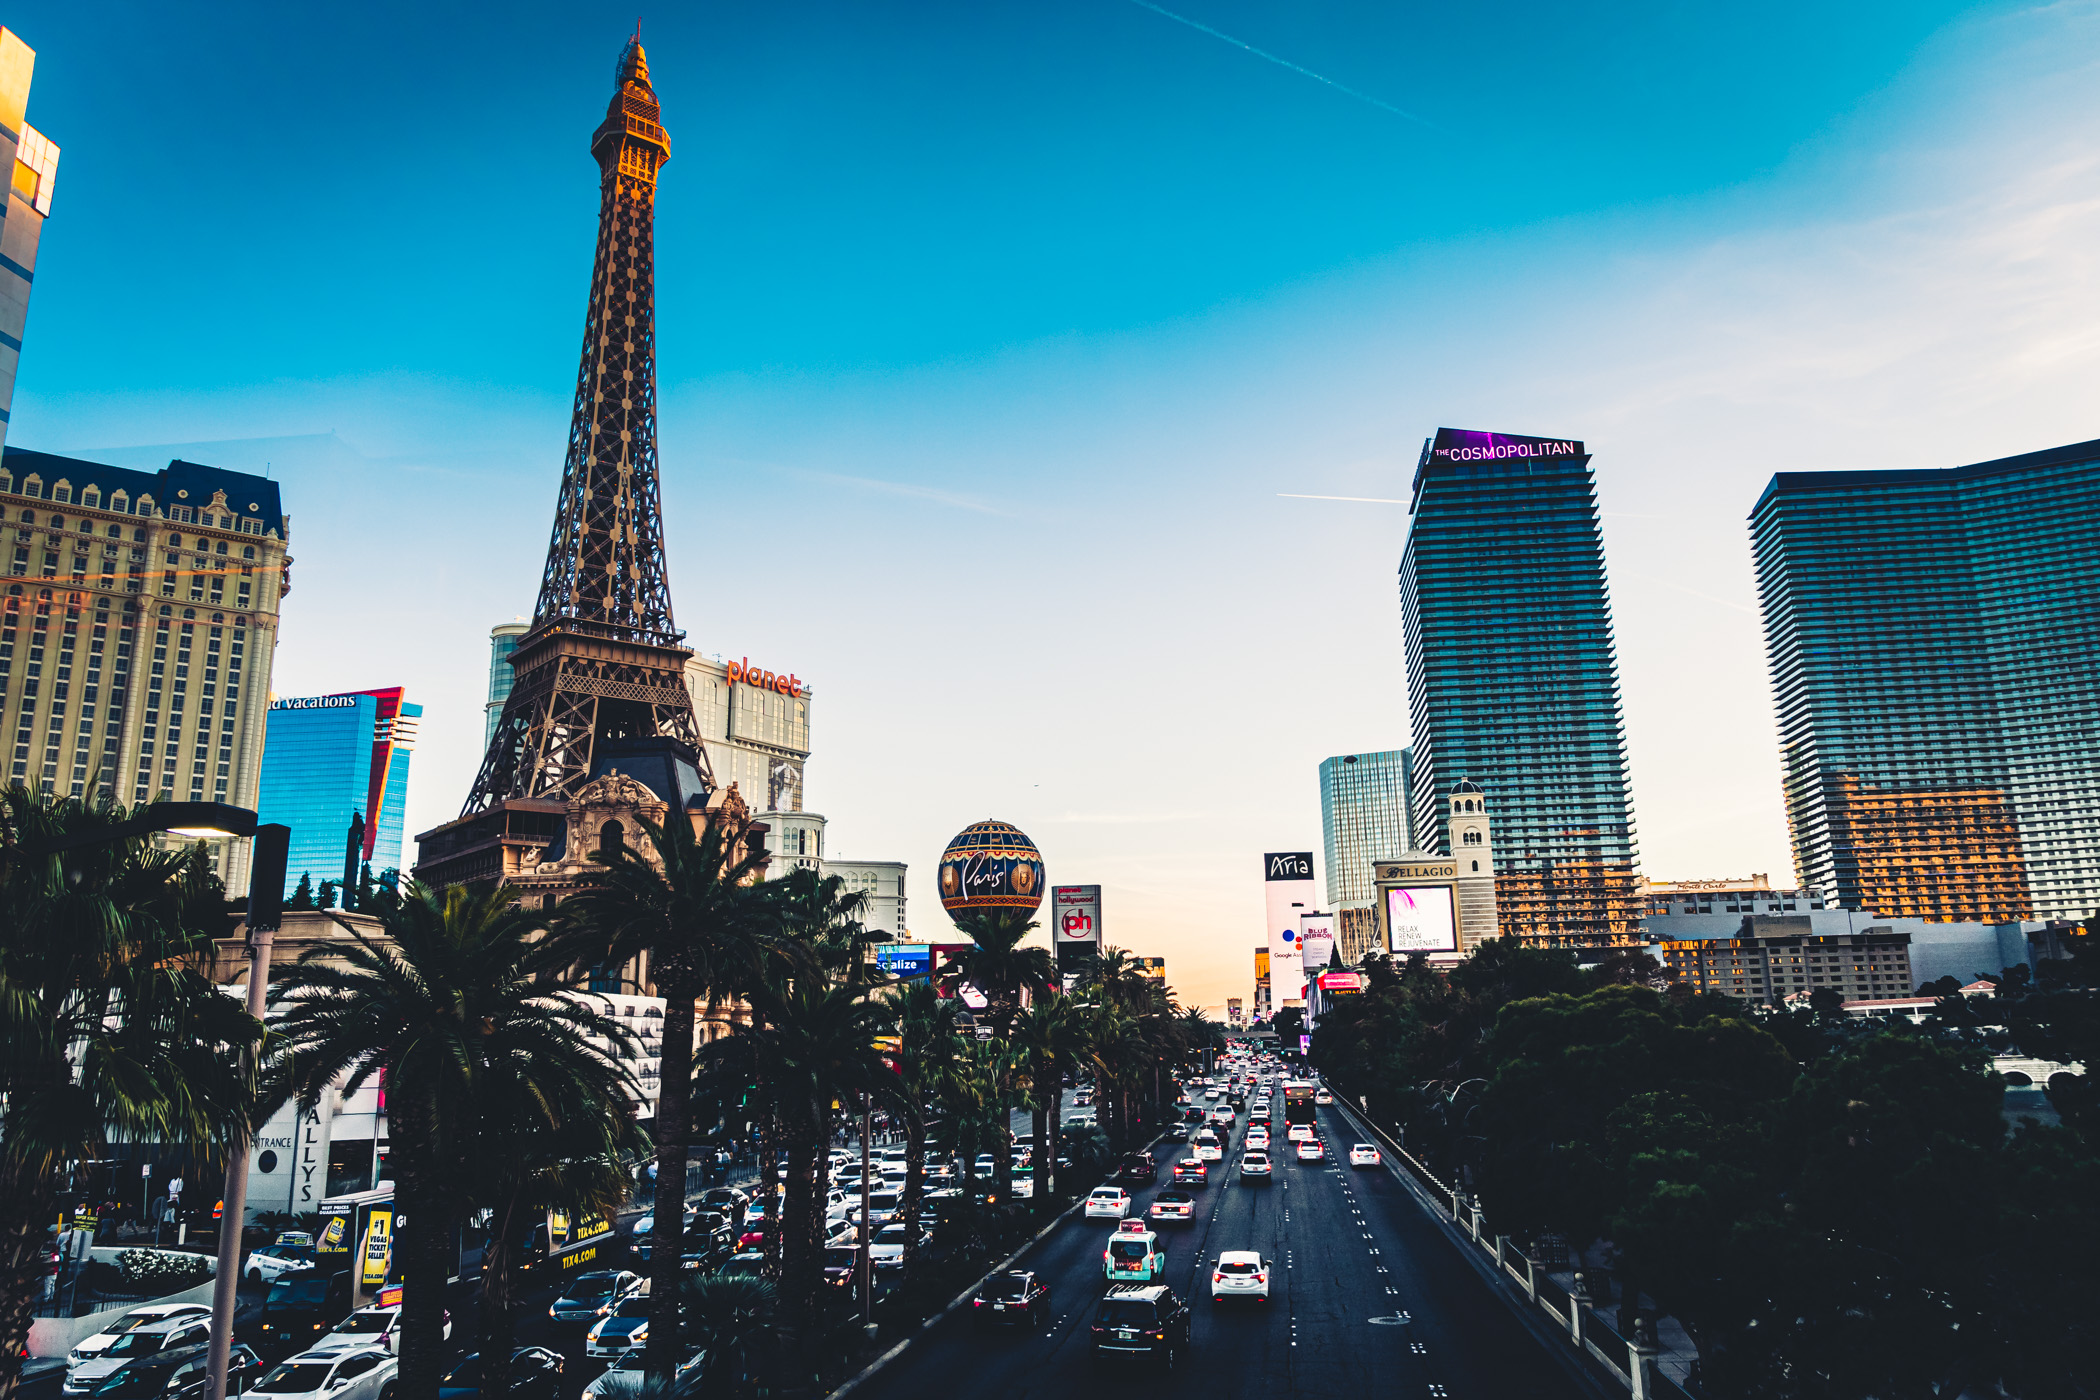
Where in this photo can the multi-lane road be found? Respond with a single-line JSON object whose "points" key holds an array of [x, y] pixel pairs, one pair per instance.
{"points": [[1368, 1298]]}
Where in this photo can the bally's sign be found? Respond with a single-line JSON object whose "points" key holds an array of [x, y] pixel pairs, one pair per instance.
{"points": [[744, 673]]}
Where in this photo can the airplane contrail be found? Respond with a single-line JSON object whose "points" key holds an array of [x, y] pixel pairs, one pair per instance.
{"points": [[1286, 63]]}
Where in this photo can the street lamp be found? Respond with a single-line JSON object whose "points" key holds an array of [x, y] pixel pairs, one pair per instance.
{"points": [[266, 862], [192, 819]]}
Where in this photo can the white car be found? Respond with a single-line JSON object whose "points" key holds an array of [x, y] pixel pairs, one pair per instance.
{"points": [[1240, 1273], [289, 1253], [1321, 1096], [92, 1347], [1301, 1132], [886, 1250], [1257, 1137], [1107, 1203], [333, 1375], [167, 1333], [1310, 1150], [370, 1327], [1363, 1155]]}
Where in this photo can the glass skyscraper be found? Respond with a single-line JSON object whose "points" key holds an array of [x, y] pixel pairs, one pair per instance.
{"points": [[1363, 818], [330, 761], [503, 640], [1513, 679], [1933, 636]]}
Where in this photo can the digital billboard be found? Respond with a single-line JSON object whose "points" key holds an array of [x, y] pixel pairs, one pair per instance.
{"points": [[1316, 941], [1287, 892], [1075, 922], [1421, 919], [904, 959]]}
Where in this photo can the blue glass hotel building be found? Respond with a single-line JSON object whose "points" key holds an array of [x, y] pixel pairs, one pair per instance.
{"points": [[333, 764], [1513, 680], [1363, 818], [1934, 639]]}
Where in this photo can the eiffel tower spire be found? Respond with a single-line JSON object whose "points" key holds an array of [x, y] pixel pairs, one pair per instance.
{"points": [[603, 667]]}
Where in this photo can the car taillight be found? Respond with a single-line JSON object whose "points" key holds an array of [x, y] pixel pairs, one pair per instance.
{"points": [[979, 1303], [1261, 1278], [1217, 1278]]}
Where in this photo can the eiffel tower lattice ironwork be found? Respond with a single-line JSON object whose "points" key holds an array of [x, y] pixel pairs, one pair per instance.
{"points": [[604, 660]]}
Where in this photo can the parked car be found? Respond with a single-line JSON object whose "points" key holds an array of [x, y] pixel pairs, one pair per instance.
{"points": [[535, 1374], [366, 1374], [288, 1253], [169, 1373], [375, 1327], [624, 1326], [622, 1380], [300, 1307], [94, 1346], [589, 1297], [169, 1334]]}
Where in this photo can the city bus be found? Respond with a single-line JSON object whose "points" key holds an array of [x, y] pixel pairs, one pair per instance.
{"points": [[1298, 1101]]}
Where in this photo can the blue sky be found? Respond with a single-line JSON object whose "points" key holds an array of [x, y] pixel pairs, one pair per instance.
{"points": [[989, 335]]}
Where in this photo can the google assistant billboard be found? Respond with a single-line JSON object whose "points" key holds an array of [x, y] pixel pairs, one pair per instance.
{"points": [[1421, 919]]}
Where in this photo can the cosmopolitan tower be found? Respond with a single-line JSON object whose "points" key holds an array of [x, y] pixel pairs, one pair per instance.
{"points": [[1513, 682], [1932, 636]]}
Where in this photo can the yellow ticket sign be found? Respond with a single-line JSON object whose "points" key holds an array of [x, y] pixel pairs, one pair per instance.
{"points": [[378, 1250]]}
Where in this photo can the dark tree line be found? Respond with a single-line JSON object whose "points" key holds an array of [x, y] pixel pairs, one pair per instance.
{"points": [[1831, 1207]]}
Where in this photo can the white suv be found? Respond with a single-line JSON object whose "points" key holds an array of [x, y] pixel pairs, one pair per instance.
{"points": [[1107, 1203], [1240, 1273]]}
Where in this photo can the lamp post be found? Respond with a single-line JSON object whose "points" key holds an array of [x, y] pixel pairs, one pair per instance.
{"points": [[266, 862]]}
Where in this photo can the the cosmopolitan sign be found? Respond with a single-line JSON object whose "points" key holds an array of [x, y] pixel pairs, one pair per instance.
{"points": [[744, 673], [1464, 445], [316, 702]]}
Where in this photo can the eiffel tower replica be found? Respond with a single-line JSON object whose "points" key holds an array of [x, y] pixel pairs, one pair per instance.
{"points": [[600, 678]]}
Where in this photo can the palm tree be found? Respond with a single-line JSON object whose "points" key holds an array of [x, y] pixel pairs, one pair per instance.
{"points": [[460, 1007], [818, 1042], [1048, 1035], [729, 1316], [999, 966], [930, 1033], [820, 912], [555, 1142], [108, 1024], [688, 902]]}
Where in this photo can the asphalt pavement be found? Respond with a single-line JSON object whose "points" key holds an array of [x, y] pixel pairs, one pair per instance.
{"points": [[1368, 1298]]}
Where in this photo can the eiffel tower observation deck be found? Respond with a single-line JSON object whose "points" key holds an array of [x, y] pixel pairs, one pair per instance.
{"points": [[600, 682]]}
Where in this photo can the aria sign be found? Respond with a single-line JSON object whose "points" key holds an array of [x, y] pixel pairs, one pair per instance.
{"points": [[745, 673]]}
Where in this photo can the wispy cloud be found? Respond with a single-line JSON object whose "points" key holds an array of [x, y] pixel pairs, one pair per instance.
{"points": [[1367, 500], [905, 489], [1286, 63]]}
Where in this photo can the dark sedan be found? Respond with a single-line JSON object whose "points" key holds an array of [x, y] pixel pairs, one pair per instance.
{"points": [[535, 1374], [1014, 1299], [1138, 1169]]}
